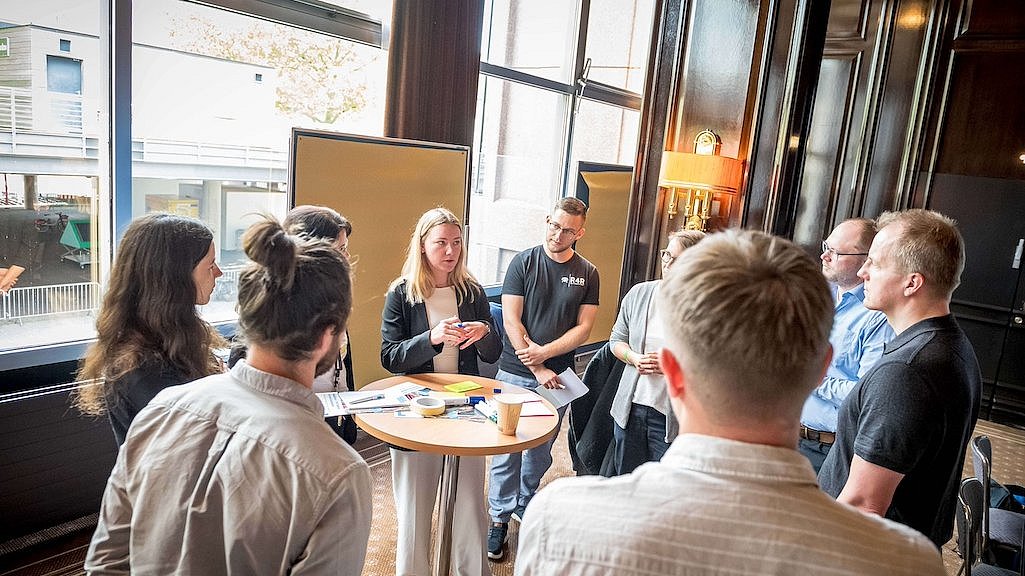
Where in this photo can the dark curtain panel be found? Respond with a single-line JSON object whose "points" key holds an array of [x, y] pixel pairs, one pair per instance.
{"points": [[433, 63]]}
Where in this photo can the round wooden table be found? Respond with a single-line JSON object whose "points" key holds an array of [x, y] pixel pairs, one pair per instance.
{"points": [[454, 438]]}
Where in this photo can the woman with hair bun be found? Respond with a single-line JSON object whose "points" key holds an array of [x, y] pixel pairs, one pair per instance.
{"points": [[149, 334], [437, 319]]}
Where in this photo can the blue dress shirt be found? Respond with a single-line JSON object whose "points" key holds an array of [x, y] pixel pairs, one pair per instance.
{"points": [[858, 336]]}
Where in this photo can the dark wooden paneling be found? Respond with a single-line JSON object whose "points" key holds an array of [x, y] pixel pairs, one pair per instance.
{"points": [[827, 138], [975, 135], [840, 121], [647, 202], [991, 215], [1009, 400], [984, 128], [787, 78], [891, 159], [848, 20], [54, 462], [714, 83], [868, 117], [993, 18]]}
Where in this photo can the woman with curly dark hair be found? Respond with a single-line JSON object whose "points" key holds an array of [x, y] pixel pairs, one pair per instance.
{"points": [[149, 334]]}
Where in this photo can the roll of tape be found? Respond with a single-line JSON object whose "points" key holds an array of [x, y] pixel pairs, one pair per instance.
{"points": [[427, 406]]}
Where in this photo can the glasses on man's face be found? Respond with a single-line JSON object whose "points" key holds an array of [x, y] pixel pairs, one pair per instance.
{"points": [[556, 229], [667, 256], [827, 249]]}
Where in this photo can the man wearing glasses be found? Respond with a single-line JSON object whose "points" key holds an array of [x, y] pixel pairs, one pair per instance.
{"points": [[903, 430], [857, 337], [549, 302]]}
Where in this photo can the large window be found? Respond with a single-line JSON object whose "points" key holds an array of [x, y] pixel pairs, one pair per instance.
{"points": [[53, 149], [214, 95], [544, 104]]}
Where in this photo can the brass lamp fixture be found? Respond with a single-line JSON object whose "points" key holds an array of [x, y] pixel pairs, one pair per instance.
{"points": [[702, 183]]}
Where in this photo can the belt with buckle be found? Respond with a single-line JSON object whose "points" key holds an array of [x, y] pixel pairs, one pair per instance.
{"points": [[817, 435]]}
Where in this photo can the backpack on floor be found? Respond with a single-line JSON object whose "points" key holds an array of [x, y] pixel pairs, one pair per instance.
{"points": [[1009, 497]]}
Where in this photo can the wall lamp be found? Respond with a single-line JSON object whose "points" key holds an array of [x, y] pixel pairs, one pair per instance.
{"points": [[702, 183]]}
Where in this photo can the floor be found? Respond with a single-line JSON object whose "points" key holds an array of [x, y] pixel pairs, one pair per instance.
{"points": [[64, 556]]}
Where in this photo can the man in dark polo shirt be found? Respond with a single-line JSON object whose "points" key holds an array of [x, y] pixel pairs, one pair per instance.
{"points": [[549, 302], [903, 430]]}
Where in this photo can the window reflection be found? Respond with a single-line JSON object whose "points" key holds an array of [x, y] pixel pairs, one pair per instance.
{"points": [[522, 134], [214, 97], [53, 100], [618, 36]]}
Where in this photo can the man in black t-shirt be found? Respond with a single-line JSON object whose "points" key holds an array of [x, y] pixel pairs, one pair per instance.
{"points": [[549, 302], [903, 430]]}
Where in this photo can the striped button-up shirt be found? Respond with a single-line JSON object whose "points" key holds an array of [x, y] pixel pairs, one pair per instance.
{"points": [[712, 506]]}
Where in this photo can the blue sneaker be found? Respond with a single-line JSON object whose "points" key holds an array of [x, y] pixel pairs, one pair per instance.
{"points": [[517, 514], [497, 535]]}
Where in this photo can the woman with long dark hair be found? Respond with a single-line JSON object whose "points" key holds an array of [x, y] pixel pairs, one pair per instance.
{"points": [[149, 334], [437, 319]]}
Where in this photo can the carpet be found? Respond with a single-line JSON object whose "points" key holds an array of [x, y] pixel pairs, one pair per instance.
{"points": [[381, 550]]}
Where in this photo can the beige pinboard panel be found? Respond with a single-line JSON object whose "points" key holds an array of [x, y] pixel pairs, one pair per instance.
{"points": [[382, 186], [604, 241]]}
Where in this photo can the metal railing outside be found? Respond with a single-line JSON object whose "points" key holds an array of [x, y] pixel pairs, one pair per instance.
{"points": [[41, 301], [28, 112], [157, 150], [226, 287]]}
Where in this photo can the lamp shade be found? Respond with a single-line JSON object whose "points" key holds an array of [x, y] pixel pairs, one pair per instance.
{"points": [[700, 172]]}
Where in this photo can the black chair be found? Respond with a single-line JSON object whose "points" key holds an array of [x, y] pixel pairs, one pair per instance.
{"points": [[1003, 531], [970, 539]]}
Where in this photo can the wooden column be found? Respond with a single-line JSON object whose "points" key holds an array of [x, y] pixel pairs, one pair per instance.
{"points": [[433, 67]]}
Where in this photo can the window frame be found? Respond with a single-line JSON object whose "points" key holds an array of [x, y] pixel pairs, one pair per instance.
{"points": [[581, 89]]}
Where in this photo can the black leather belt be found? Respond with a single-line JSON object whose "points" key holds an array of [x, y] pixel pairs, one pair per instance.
{"points": [[817, 435]]}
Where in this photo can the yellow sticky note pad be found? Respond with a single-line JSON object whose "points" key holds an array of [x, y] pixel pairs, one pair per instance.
{"points": [[446, 395], [462, 386]]}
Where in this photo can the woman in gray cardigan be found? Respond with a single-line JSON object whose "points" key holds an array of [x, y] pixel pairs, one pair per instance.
{"points": [[645, 424]]}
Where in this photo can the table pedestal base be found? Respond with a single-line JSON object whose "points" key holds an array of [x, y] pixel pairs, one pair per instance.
{"points": [[443, 550]]}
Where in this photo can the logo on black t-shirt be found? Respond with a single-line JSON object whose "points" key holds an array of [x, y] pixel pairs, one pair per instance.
{"points": [[572, 280]]}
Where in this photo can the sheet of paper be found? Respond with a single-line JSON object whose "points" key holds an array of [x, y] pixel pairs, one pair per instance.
{"points": [[333, 405], [535, 408], [487, 410], [573, 388], [345, 403], [532, 405]]}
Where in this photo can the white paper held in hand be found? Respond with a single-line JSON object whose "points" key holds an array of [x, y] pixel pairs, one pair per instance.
{"points": [[573, 388]]}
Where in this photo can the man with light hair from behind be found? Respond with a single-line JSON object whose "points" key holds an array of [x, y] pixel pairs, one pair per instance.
{"points": [[747, 323]]}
